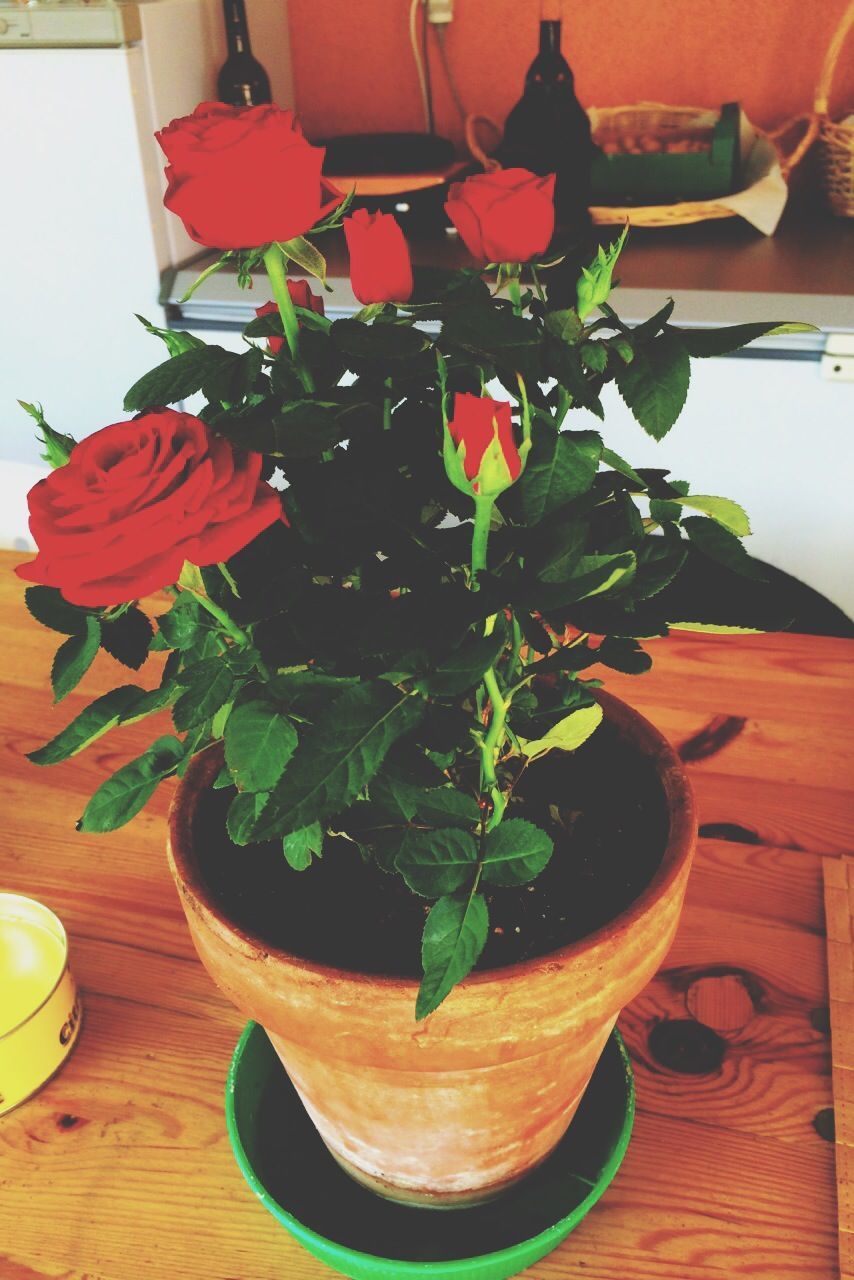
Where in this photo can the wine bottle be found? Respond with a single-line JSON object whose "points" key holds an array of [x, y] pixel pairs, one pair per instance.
{"points": [[548, 130], [242, 82]]}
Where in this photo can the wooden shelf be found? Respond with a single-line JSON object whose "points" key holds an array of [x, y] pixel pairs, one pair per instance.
{"points": [[120, 1168]]}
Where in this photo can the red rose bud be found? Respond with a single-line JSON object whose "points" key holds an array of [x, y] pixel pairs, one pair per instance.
{"points": [[506, 216], [301, 296], [137, 499], [242, 177], [380, 266], [481, 455]]}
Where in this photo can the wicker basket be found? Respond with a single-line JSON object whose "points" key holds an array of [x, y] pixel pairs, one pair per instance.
{"points": [[835, 138]]}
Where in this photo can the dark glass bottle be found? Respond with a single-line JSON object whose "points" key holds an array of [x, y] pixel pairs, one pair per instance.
{"points": [[242, 82], [548, 130]]}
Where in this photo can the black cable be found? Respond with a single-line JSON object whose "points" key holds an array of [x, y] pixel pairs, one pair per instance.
{"points": [[425, 50]]}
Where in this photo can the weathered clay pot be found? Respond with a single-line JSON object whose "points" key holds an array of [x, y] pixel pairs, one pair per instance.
{"points": [[452, 1110]]}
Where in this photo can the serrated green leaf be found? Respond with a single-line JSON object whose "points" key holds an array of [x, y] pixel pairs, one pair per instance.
{"points": [[243, 812], [434, 863], [149, 702], [177, 378], [454, 936], [74, 658], [616, 463], [259, 742], [703, 343], [209, 684], [561, 466], [716, 628], [655, 384], [338, 755], [128, 637], [568, 735], [594, 355], [516, 852], [377, 341], [723, 510], [716, 542], [176, 340], [183, 624], [48, 607], [122, 796], [305, 255], [464, 668], [93, 721], [300, 846]]}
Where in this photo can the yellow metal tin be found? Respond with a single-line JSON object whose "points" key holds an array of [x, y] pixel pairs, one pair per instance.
{"points": [[39, 1004]]}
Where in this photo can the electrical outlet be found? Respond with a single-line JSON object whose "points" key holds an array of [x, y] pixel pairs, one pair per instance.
{"points": [[440, 11]]}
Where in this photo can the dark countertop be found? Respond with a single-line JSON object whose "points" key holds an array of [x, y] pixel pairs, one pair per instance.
{"points": [[720, 272]]}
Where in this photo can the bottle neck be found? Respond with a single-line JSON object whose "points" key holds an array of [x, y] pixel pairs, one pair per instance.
{"points": [[550, 37], [236, 27]]}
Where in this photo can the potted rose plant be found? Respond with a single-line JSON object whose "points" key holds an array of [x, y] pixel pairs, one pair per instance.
{"points": [[412, 835]]}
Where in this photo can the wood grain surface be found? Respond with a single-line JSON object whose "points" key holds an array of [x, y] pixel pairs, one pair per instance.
{"points": [[120, 1169]]}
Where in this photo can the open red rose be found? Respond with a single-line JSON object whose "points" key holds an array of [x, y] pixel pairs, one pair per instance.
{"points": [[242, 177], [490, 458], [137, 499], [506, 216], [380, 266], [301, 296]]}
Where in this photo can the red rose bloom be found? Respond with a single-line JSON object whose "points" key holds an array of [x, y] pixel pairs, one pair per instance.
{"points": [[380, 266], [473, 424], [506, 216], [242, 177], [301, 296], [137, 499]]}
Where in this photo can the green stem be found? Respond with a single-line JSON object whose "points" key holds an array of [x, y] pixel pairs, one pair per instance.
{"points": [[480, 536], [513, 288], [387, 406], [274, 262], [538, 286], [228, 625]]}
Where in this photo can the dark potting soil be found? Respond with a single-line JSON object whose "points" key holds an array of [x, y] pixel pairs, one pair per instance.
{"points": [[602, 805]]}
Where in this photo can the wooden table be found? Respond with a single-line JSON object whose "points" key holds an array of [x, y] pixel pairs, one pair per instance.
{"points": [[120, 1169]]}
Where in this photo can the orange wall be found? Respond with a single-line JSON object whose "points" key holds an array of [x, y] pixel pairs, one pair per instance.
{"points": [[354, 71]]}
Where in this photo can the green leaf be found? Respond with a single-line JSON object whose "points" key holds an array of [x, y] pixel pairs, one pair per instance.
{"points": [[122, 796], [594, 355], [300, 846], [454, 936], [243, 812], [716, 628], [338, 755], [592, 576], [93, 721], [655, 384], [616, 463], [183, 624], [718, 342], [564, 363], [209, 684], [561, 466], [177, 378], [377, 341], [442, 806], [47, 606], [623, 654], [568, 735], [305, 255], [516, 852], [489, 329], [232, 379], [723, 510], [465, 667], [150, 701], [127, 638], [301, 429], [434, 863], [720, 545], [259, 742], [74, 658]]}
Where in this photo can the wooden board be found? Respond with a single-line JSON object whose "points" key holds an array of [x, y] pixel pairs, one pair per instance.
{"points": [[120, 1169], [839, 912]]}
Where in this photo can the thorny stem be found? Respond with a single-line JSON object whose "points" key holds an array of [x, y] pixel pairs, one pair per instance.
{"points": [[228, 625]]}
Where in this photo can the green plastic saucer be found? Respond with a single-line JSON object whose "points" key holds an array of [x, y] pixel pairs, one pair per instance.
{"points": [[361, 1236]]}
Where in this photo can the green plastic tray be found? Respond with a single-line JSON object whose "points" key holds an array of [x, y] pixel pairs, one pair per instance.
{"points": [[366, 1238], [666, 178]]}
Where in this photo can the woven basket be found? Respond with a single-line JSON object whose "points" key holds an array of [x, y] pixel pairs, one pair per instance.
{"points": [[835, 138]]}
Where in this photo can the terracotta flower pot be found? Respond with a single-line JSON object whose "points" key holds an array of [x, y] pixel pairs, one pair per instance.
{"points": [[455, 1109]]}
